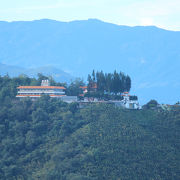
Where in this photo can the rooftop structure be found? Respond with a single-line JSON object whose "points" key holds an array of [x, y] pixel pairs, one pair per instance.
{"points": [[85, 89], [128, 103], [45, 83], [37, 91]]}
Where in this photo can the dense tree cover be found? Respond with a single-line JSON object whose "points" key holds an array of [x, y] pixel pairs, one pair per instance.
{"points": [[74, 87], [8, 86], [49, 139], [152, 104], [109, 82]]}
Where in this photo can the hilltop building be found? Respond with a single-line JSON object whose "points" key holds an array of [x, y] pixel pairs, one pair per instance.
{"points": [[128, 103], [37, 91]]}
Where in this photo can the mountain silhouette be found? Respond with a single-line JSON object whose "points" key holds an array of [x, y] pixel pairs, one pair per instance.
{"points": [[150, 55]]}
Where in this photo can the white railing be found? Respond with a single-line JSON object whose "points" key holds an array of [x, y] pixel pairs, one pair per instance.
{"points": [[40, 92]]}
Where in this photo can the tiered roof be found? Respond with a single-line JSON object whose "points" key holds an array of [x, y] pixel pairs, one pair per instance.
{"points": [[41, 87]]}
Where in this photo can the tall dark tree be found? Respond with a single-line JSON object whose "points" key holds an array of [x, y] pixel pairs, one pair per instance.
{"points": [[116, 82], [128, 83], [101, 82], [93, 76], [108, 78], [90, 82], [121, 88]]}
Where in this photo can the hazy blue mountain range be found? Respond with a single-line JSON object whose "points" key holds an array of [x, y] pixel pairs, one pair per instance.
{"points": [[150, 55], [56, 73]]}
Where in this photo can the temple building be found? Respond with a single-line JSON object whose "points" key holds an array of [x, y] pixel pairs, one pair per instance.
{"points": [[37, 91]]}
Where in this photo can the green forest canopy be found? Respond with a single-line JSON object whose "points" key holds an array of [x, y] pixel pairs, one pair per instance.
{"points": [[49, 139], [109, 82]]}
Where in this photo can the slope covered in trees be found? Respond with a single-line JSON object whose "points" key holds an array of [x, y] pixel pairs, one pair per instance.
{"points": [[49, 139]]}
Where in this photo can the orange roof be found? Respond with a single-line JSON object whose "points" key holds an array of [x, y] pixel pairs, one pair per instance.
{"points": [[126, 92], [54, 95], [33, 95], [94, 86], [81, 95], [83, 87], [41, 87]]}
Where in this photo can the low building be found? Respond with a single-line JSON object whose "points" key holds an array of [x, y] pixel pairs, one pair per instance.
{"points": [[37, 91], [128, 103], [69, 99]]}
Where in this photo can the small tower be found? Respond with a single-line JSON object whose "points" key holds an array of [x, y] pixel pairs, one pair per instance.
{"points": [[126, 96], [45, 83]]}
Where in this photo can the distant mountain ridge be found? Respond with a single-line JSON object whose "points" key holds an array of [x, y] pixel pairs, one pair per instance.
{"points": [[56, 73], [150, 55]]}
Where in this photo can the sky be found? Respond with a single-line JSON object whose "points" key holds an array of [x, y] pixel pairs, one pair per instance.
{"points": [[162, 13]]}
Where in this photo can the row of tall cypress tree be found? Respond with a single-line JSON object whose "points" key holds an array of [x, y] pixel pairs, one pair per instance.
{"points": [[111, 83]]}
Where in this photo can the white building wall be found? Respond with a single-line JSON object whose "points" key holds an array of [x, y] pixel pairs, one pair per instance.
{"points": [[44, 91]]}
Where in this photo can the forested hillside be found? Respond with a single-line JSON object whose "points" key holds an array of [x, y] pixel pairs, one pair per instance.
{"points": [[49, 139]]}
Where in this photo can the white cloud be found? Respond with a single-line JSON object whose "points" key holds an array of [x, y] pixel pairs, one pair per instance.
{"points": [[154, 11], [146, 21]]}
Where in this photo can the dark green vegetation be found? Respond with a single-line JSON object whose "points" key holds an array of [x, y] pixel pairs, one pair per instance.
{"points": [[108, 86], [49, 139], [74, 87], [111, 83]]}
